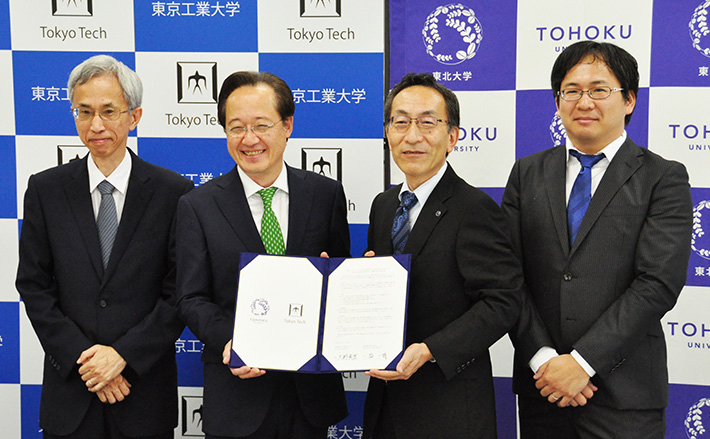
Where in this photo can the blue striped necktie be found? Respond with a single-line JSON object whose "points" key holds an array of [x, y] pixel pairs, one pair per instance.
{"points": [[107, 221], [581, 193], [400, 226]]}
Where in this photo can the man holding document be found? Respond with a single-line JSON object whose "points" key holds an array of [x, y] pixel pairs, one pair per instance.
{"points": [[261, 206], [465, 281]]}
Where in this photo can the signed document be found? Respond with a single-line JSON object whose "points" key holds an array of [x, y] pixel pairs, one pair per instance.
{"points": [[320, 315]]}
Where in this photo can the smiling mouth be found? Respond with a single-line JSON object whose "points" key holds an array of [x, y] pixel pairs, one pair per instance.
{"points": [[253, 153]]}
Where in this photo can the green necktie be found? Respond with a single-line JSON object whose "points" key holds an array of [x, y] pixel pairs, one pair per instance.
{"points": [[270, 229]]}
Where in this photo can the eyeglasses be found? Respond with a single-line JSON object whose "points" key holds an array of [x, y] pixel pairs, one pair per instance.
{"points": [[425, 123], [596, 93], [108, 113], [259, 130]]}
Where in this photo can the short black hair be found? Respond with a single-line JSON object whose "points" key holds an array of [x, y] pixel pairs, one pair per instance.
{"points": [[621, 63], [284, 98], [426, 80]]}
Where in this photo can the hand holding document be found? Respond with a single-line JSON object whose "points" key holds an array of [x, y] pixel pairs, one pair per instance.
{"points": [[320, 315]]}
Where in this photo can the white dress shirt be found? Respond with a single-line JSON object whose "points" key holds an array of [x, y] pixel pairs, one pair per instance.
{"points": [[118, 179], [422, 192], [279, 204]]}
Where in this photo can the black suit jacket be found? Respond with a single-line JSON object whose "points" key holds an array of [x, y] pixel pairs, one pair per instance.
{"points": [[73, 304], [214, 226], [605, 296], [464, 294]]}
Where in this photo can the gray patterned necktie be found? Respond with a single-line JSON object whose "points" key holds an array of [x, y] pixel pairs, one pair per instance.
{"points": [[107, 221]]}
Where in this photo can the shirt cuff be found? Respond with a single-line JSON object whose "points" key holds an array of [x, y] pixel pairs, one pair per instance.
{"points": [[582, 362], [542, 356]]}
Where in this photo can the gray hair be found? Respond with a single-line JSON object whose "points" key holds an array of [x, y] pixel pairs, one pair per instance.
{"points": [[107, 65]]}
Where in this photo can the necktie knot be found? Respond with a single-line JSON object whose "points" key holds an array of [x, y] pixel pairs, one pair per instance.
{"points": [[586, 160], [408, 200], [105, 188], [267, 195]]}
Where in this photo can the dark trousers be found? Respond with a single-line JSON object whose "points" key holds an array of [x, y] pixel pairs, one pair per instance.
{"points": [[284, 420], [99, 424], [540, 419]]}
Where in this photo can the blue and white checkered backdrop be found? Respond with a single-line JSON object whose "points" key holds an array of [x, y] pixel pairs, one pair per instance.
{"points": [[332, 54]]}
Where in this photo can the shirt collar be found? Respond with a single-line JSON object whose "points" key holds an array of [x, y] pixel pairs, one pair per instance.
{"points": [[118, 178], [251, 187], [425, 189], [609, 151]]}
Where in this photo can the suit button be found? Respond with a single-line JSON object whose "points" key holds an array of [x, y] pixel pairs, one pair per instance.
{"points": [[567, 277], [103, 303]]}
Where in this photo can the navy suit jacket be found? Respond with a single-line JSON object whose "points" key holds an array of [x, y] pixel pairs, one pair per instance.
{"points": [[214, 226], [464, 294], [73, 303], [605, 295]]}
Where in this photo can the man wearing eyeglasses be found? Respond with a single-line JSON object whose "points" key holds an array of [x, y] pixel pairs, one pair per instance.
{"points": [[97, 272], [603, 229], [465, 289], [261, 206]]}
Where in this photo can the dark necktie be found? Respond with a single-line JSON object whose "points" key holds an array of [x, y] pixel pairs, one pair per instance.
{"points": [[271, 234], [581, 192], [107, 221], [400, 226]]}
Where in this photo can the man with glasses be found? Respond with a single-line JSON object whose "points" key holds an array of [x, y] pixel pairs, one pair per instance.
{"points": [[97, 273], [261, 206], [603, 229], [465, 289]]}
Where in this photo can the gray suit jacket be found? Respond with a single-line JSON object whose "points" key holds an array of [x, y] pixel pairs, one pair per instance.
{"points": [[605, 296]]}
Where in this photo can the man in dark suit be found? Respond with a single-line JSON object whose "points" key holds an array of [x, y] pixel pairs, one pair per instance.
{"points": [[222, 219], [100, 295], [598, 282], [465, 286]]}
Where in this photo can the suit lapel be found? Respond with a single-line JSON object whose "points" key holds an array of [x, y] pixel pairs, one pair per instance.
{"points": [[433, 210], [300, 195], [380, 231], [625, 163], [235, 208], [138, 194], [555, 170], [79, 198]]}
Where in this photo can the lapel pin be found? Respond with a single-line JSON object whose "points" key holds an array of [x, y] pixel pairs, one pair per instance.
{"points": [[438, 213]]}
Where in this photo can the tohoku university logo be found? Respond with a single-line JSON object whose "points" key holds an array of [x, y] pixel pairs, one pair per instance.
{"points": [[452, 34], [259, 307], [698, 419], [557, 131], [698, 242], [699, 31]]}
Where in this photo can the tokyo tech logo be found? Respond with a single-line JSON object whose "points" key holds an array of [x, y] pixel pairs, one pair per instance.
{"points": [[699, 31], [452, 34], [698, 242], [698, 420], [557, 131], [80, 8]]}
